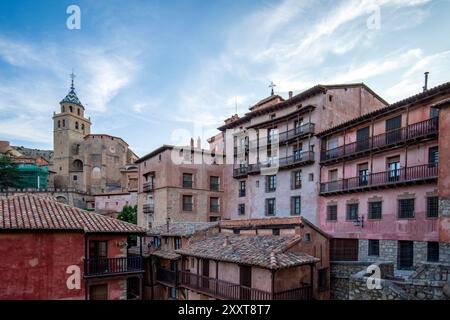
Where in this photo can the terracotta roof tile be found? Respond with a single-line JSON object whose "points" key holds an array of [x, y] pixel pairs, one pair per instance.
{"points": [[181, 229], [30, 212], [264, 251]]}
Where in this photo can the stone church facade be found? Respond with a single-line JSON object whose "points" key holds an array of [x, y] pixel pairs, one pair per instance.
{"points": [[85, 162]]}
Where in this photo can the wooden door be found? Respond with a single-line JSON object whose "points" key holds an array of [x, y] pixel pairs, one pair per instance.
{"points": [[245, 280], [362, 139], [393, 129], [344, 250], [205, 273]]}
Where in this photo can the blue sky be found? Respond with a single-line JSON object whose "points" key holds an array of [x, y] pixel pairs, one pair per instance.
{"points": [[155, 72]]}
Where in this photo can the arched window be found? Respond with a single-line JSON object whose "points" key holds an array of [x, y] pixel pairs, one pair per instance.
{"points": [[64, 123], [71, 109], [77, 164], [78, 111], [63, 109], [76, 125], [82, 126], [59, 123], [96, 171]]}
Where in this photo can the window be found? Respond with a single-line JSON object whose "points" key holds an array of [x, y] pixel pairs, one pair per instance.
{"points": [[236, 231], [406, 208], [375, 209], [71, 108], [405, 255], [157, 242], [307, 237], [177, 243], [374, 248], [363, 174], [394, 168], [322, 279], [98, 292], [352, 211], [214, 204], [214, 183], [433, 251], [271, 183], [59, 123], [187, 180], [296, 206], [297, 151], [78, 111], [98, 249], [76, 125], [82, 127], [241, 209], [242, 187], [432, 207], [64, 123], [433, 156], [434, 112], [332, 212], [272, 134], [75, 178], [187, 203], [270, 207], [276, 232], [297, 179], [311, 177], [298, 125], [214, 219]]}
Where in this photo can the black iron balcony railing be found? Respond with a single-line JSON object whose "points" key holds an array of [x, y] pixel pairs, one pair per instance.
{"points": [[148, 208], [148, 186], [390, 178], [240, 172], [230, 291], [416, 131], [305, 129], [112, 266], [166, 276]]}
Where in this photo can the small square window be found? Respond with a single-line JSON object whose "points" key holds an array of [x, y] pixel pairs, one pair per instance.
{"points": [[375, 209], [332, 212], [276, 232], [432, 207], [406, 208], [241, 209]]}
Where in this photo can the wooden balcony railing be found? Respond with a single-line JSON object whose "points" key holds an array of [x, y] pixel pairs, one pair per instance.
{"points": [[225, 290], [416, 174], [112, 266], [148, 208], [166, 276], [148, 186], [416, 131]]}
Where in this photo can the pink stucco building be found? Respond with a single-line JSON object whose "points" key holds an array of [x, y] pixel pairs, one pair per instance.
{"points": [[379, 176], [263, 180]]}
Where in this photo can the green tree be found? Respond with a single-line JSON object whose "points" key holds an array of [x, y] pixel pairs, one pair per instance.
{"points": [[9, 174], [129, 214]]}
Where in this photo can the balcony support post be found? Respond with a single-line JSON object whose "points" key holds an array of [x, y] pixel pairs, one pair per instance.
{"points": [[272, 285]]}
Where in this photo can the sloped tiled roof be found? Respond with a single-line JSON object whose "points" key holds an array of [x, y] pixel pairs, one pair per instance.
{"points": [[30, 212], [180, 229], [72, 97], [268, 252]]}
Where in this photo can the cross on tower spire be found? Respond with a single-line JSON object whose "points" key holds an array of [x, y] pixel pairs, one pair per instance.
{"points": [[272, 85], [72, 76]]}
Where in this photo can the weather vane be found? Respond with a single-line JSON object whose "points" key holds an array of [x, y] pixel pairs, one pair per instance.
{"points": [[72, 76], [272, 85]]}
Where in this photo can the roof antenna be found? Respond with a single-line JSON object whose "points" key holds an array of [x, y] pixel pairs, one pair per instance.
{"points": [[425, 87], [272, 85], [235, 103]]}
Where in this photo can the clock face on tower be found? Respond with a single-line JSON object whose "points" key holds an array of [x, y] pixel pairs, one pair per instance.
{"points": [[112, 149]]}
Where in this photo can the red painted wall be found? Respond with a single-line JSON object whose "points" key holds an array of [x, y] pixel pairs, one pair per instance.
{"points": [[33, 265]]}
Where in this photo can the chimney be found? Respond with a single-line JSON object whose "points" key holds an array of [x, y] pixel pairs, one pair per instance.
{"points": [[425, 87], [226, 242], [290, 94]]}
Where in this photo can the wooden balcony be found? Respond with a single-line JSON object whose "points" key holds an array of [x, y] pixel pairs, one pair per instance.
{"points": [[148, 186], [387, 179], [225, 290], [102, 267], [419, 131], [167, 277], [148, 208]]}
